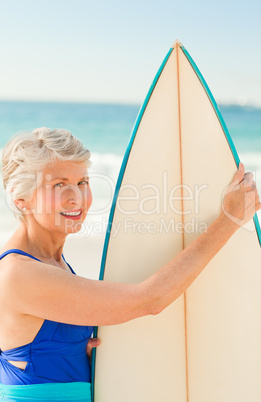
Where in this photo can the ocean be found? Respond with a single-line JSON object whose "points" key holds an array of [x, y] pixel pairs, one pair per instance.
{"points": [[105, 129]]}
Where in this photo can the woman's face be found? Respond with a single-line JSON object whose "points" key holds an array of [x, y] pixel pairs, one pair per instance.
{"points": [[62, 200]]}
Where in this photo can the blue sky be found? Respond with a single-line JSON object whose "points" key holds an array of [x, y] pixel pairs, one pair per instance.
{"points": [[109, 51]]}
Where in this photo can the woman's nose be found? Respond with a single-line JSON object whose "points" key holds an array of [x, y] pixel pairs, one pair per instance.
{"points": [[72, 196]]}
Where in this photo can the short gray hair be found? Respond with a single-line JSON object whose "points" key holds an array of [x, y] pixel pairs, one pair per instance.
{"points": [[29, 152]]}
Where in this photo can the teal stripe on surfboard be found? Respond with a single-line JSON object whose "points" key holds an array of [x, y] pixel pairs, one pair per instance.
{"points": [[223, 125], [117, 189], [258, 229]]}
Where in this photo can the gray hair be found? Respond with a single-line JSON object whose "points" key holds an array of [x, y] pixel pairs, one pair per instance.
{"points": [[28, 153]]}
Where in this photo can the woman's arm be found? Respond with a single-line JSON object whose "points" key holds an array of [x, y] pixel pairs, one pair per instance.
{"points": [[48, 292], [240, 204], [171, 281]]}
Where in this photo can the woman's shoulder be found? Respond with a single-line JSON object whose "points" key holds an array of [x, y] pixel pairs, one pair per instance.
{"points": [[12, 267], [25, 284], [10, 253], [10, 262]]}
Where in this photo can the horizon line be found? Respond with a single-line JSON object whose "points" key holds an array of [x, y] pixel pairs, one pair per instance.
{"points": [[119, 103]]}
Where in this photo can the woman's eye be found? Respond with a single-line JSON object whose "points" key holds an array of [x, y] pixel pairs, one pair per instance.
{"points": [[63, 184]]}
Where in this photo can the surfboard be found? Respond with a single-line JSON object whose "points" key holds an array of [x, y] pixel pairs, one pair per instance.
{"points": [[206, 346]]}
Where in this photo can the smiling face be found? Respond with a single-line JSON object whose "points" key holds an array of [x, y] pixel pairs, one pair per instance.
{"points": [[61, 201]]}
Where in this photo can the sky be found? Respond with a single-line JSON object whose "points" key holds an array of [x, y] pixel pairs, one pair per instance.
{"points": [[110, 51]]}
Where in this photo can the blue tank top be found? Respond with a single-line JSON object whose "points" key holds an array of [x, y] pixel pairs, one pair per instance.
{"points": [[57, 353]]}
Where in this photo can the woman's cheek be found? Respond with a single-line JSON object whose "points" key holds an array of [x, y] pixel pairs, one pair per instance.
{"points": [[89, 198]]}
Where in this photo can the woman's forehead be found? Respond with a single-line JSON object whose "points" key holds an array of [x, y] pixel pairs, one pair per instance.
{"points": [[65, 169]]}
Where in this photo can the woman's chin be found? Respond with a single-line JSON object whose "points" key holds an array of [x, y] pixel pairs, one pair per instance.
{"points": [[73, 228]]}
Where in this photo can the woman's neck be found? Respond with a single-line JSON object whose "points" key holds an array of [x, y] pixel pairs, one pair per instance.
{"points": [[39, 242]]}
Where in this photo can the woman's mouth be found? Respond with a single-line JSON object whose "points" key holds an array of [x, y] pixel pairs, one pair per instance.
{"points": [[72, 214]]}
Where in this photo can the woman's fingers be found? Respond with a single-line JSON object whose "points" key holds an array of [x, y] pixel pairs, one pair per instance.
{"points": [[239, 175], [241, 199], [248, 183], [258, 203], [237, 179], [93, 343]]}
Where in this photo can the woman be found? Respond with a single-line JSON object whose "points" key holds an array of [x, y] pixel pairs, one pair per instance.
{"points": [[47, 311]]}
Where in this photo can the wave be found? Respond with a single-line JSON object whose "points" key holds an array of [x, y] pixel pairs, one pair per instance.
{"points": [[103, 177], [252, 159], [109, 164]]}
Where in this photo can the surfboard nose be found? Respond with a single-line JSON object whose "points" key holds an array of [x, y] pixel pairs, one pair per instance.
{"points": [[176, 43]]}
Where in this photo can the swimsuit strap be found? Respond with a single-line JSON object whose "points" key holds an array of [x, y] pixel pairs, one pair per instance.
{"points": [[17, 251]]}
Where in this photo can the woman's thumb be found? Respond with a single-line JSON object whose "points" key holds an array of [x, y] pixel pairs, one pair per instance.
{"points": [[239, 175], [94, 342]]}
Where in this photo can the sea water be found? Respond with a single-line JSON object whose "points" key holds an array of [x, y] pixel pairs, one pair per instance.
{"points": [[105, 129]]}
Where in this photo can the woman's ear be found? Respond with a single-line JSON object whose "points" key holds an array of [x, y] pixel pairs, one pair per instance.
{"points": [[21, 204]]}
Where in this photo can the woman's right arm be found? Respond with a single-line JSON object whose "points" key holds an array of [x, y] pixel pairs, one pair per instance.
{"points": [[49, 292]]}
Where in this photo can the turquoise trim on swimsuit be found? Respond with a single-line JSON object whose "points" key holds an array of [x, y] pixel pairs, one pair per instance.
{"points": [[68, 392]]}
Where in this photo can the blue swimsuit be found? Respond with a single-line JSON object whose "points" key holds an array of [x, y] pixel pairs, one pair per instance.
{"points": [[56, 355]]}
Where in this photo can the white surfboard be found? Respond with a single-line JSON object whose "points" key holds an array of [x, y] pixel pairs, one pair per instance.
{"points": [[206, 346]]}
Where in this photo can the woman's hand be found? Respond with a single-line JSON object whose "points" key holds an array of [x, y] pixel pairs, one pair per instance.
{"points": [[241, 199], [93, 343]]}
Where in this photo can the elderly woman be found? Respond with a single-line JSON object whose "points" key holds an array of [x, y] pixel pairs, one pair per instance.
{"points": [[47, 311]]}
